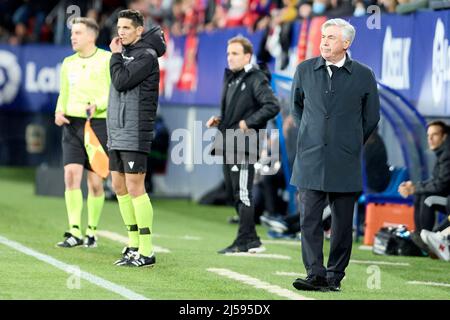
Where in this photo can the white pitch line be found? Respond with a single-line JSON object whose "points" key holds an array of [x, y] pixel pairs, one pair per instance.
{"points": [[124, 240], [365, 248], [185, 237], [258, 255], [256, 283], [381, 262], [105, 284], [287, 242], [290, 274], [426, 283]]}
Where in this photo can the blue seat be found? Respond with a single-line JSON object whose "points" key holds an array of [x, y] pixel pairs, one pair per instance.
{"points": [[390, 195]]}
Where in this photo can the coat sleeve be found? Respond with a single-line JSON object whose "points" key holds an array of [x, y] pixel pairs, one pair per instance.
{"points": [[297, 96], [126, 77], [370, 107], [440, 182], [269, 106]]}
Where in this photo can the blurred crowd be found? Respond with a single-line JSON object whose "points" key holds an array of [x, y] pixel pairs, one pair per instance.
{"points": [[29, 21]]}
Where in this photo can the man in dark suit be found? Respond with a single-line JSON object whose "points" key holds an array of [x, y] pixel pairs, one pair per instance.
{"points": [[335, 102]]}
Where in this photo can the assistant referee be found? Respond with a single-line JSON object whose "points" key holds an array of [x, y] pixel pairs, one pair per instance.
{"points": [[84, 89]]}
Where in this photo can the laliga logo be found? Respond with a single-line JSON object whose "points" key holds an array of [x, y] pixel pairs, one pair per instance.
{"points": [[441, 62], [10, 75]]}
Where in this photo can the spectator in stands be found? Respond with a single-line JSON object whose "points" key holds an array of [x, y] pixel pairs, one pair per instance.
{"points": [[305, 10], [29, 20], [388, 6], [236, 11], [319, 7], [259, 11], [409, 6], [438, 184], [285, 19], [175, 18], [340, 8], [360, 9]]}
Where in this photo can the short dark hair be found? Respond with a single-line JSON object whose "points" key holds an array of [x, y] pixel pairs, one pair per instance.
{"points": [[137, 19], [439, 123], [88, 22], [246, 44]]}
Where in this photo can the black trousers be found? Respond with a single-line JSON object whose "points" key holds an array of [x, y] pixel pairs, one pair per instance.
{"points": [[239, 185], [424, 216], [312, 203]]}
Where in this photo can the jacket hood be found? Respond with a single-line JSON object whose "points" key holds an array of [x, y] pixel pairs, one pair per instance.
{"points": [[153, 38]]}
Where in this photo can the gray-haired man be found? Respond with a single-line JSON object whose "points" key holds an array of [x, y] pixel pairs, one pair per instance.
{"points": [[335, 102]]}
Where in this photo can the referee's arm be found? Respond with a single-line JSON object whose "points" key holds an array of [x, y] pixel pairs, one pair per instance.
{"points": [[61, 105]]}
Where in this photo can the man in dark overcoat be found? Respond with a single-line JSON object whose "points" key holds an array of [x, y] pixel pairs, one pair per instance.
{"points": [[335, 102]]}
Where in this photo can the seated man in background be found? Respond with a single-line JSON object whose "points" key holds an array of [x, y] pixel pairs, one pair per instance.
{"points": [[439, 182], [437, 243]]}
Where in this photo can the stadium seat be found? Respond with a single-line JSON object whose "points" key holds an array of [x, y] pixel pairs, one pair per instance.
{"points": [[390, 195]]}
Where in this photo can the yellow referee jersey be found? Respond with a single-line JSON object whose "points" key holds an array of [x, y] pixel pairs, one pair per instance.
{"points": [[83, 81]]}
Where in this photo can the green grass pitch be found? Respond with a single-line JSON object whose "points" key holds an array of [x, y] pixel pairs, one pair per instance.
{"points": [[39, 222]]}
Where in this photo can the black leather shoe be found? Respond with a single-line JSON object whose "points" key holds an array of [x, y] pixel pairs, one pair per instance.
{"points": [[311, 283], [334, 285], [233, 248]]}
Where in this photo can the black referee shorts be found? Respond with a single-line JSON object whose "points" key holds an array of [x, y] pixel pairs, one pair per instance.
{"points": [[73, 140], [128, 161]]}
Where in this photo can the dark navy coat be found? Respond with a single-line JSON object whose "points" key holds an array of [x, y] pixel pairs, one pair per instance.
{"points": [[335, 117]]}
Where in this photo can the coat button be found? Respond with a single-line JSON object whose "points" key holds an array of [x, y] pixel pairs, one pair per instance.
{"points": [[326, 91], [327, 117]]}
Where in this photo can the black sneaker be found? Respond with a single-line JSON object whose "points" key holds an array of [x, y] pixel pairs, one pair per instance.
{"points": [[126, 255], [311, 283], [90, 242], [334, 284], [70, 241], [138, 260]]}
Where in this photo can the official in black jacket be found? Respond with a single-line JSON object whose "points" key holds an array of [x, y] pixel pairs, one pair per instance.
{"points": [[131, 115], [248, 102], [439, 182], [335, 102]]}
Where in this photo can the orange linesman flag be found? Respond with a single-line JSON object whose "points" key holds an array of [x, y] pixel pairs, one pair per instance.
{"points": [[98, 159]]}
